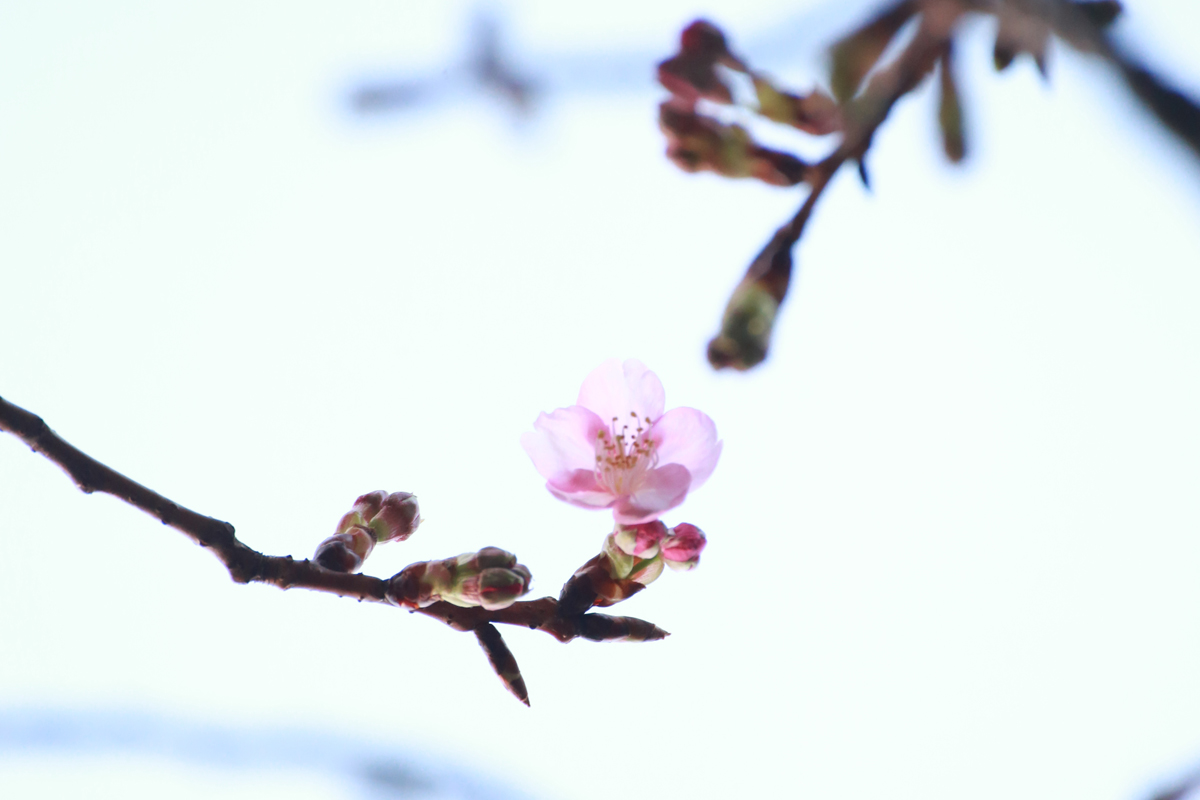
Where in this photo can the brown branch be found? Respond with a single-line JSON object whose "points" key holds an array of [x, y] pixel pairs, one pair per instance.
{"points": [[247, 565], [750, 315]]}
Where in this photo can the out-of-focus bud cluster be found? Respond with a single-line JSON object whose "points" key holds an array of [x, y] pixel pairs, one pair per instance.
{"points": [[490, 578], [697, 142], [632, 558], [376, 517], [816, 112], [692, 74]]}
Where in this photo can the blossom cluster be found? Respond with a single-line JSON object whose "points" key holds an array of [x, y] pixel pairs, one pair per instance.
{"points": [[617, 448]]}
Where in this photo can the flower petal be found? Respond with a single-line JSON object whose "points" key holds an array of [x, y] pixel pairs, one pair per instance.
{"points": [[580, 488], [659, 490], [688, 437], [614, 389], [563, 441]]}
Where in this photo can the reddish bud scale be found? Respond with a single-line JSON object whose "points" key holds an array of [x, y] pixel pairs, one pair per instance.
{"points": [[345, 551], [593, 585], [404, 588]]}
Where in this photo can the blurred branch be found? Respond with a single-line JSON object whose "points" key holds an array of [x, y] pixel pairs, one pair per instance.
{"points": [[865, 93], [1083, 26], [247, 565], [745, 331], [1181, 789]]}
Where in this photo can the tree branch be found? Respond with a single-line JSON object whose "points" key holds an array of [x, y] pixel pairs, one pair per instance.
{"points": [[749, 317], [247, 565]]}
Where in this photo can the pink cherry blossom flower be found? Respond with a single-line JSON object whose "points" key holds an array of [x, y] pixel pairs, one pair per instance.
{"points": [[617, 449]]}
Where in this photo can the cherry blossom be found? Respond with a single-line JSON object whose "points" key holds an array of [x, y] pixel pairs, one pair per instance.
{"points": [[615, 448]]}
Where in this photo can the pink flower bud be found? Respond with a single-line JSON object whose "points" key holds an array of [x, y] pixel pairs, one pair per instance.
{"points": [[640, 540], [345, 551], [681, 550], [396, 518]]}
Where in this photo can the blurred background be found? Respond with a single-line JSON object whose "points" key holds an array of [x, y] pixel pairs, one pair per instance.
{"points": [[264, 257]]}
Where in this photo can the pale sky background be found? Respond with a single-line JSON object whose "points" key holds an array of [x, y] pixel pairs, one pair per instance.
{"points": [[953, 537]]}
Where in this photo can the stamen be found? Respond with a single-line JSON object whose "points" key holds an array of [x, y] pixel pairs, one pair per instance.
{"points": [[623, 457]]}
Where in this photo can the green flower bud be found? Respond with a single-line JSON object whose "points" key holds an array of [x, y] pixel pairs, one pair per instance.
{"points": [[490, 578]]}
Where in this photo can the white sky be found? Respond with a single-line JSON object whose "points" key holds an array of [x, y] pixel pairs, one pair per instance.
{"points": [[953, 538]]}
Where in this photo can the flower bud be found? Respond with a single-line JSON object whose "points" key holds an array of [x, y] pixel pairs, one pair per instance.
{"points": [[625, 567], [389, 517], [490, 578], [486, 558], [397, 518], [646, 572], [345, 551], [681, 550], [493, 588], [640, 540], [365, 507]]}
